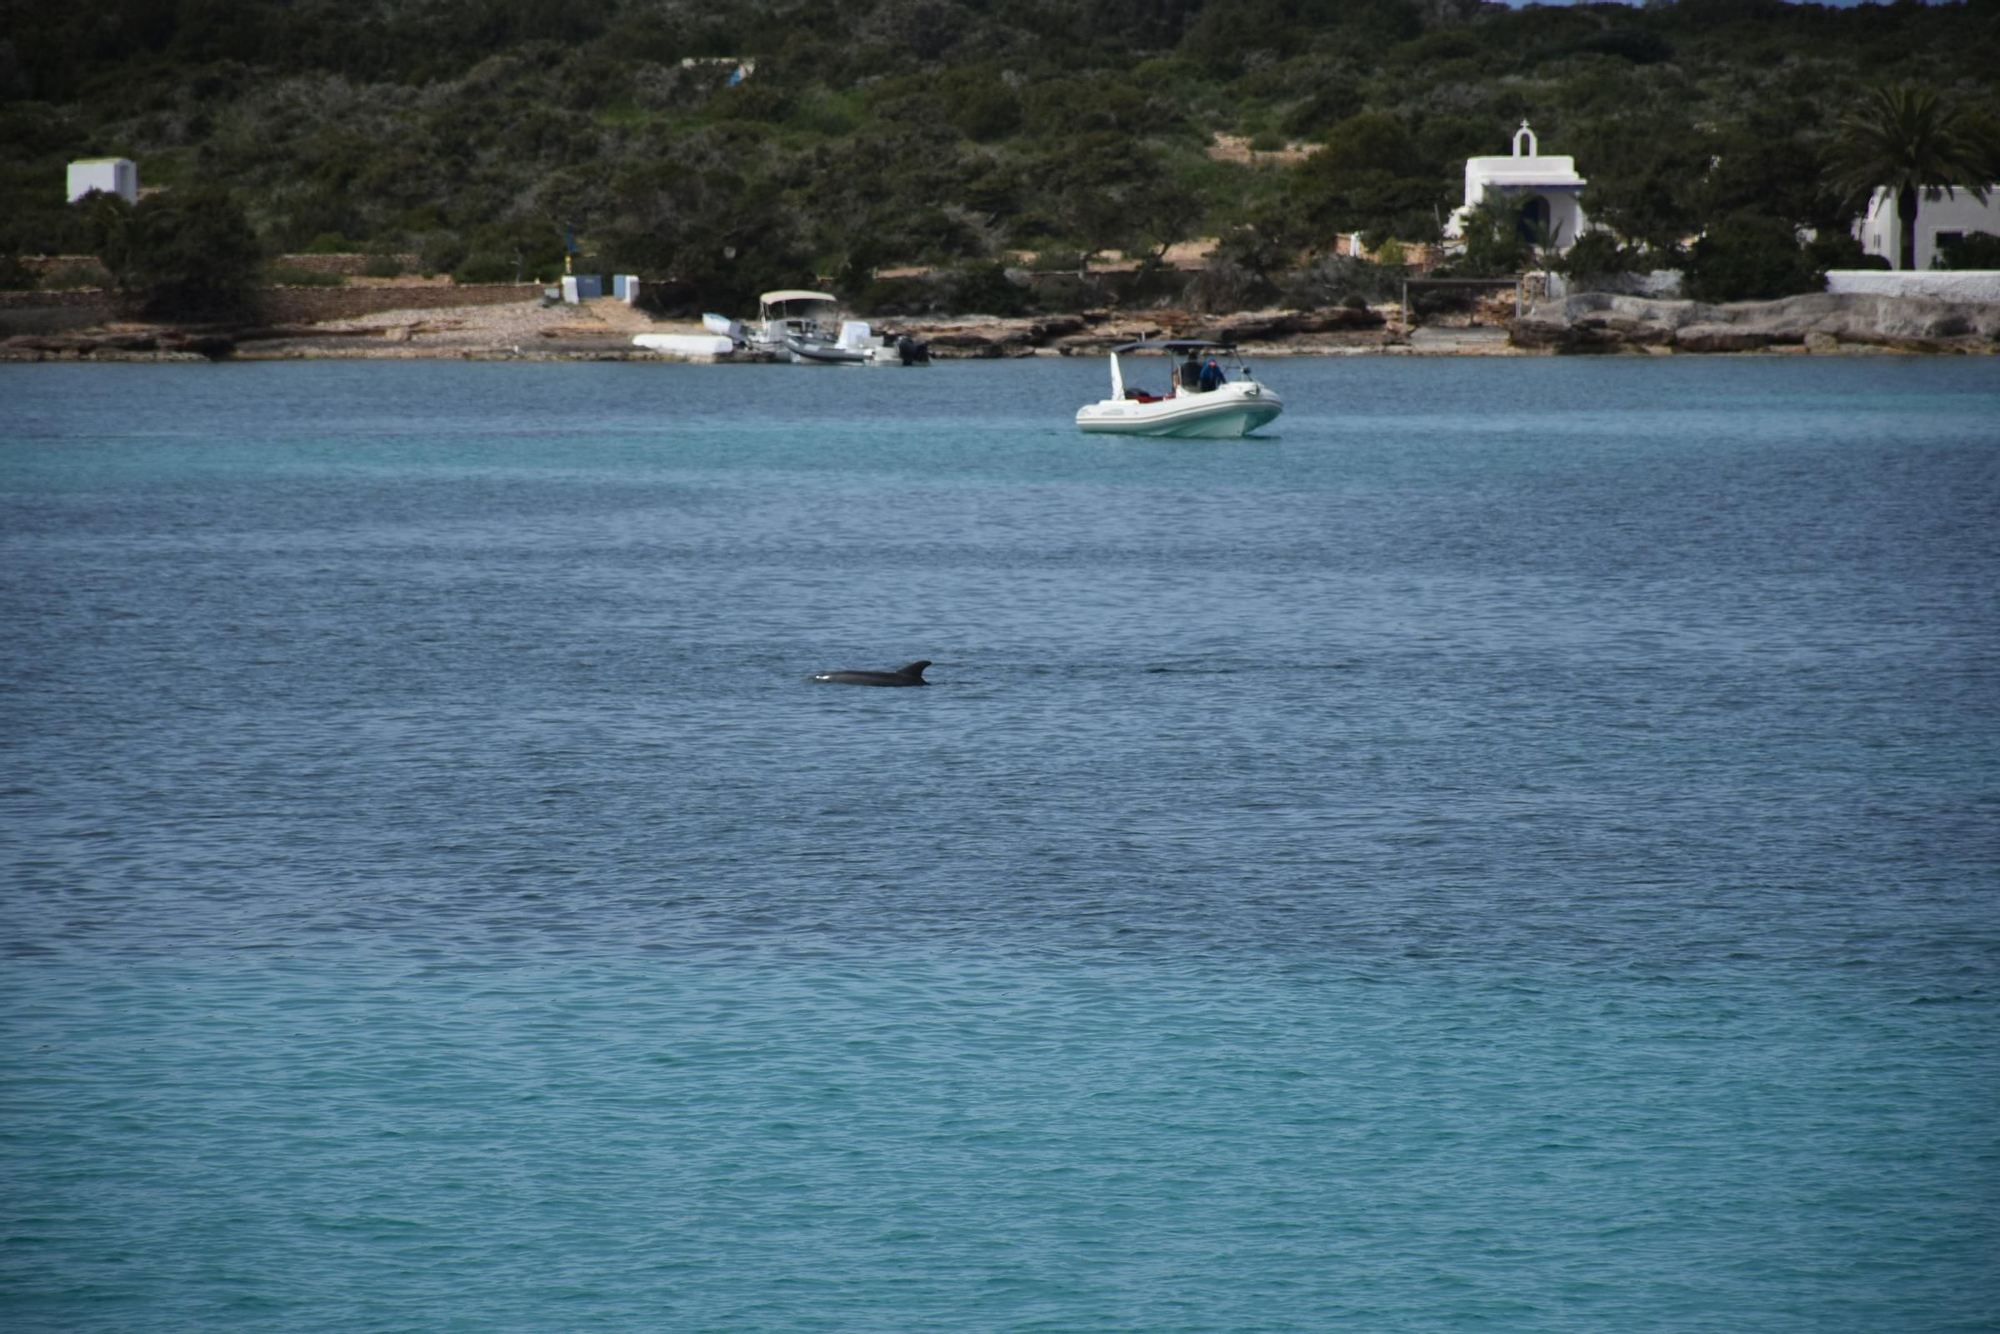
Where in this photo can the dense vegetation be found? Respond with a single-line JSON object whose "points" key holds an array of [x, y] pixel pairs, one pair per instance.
{"points": [[875, 133]]}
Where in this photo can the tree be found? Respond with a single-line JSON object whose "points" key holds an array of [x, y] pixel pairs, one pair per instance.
{"points": [[1906, 141], [1750, 257], [1496, 245], [181, 255], [1368, 178], [1168, 213], [1597, 254]]}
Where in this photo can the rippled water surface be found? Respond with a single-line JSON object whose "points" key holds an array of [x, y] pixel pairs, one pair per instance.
{"points": [[1515, 847]]}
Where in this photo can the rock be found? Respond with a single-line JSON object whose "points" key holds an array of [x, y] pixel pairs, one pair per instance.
{"points": [[1289, 324], [1538, 332], [1623, 330], [214, 346], [964, 345], [53, 343], [1718, 338], [1056, 327]]}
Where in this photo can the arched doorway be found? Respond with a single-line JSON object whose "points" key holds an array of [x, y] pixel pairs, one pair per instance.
{"points": [[1535, 219]]}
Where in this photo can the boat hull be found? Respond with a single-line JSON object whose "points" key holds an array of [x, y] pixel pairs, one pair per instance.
{"points": [[1227, 413], [805, 352]]}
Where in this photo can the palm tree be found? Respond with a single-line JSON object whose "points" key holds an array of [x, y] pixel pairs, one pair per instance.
{"points": [[1906, 141]]}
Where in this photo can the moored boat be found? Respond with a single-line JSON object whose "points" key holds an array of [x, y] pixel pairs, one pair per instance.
{"points": [[792, 326], [1210, 395]]}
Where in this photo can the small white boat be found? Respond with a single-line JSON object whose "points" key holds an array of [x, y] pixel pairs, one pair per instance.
{"points": [[686, 347], [789, 327], [1210, 395]]}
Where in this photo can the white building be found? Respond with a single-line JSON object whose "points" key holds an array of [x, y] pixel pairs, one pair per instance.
{"points": [[1948, 217], [113, 175], [1547, 188]]}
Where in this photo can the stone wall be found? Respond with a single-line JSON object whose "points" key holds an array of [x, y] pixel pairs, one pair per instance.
{"points": [[312, 305], [347, 265], [78, 265], [73, 310], [57, 300], [23, 312]]}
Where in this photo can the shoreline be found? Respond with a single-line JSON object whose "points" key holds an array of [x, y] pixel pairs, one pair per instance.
{"points": [[603, 330], [528, 330]]}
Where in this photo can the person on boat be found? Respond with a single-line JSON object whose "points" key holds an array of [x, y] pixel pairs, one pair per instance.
{"points": [[1190, 374], [1211, 376]]}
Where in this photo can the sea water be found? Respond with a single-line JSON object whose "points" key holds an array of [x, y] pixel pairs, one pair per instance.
{"points": [[1513, 847]]}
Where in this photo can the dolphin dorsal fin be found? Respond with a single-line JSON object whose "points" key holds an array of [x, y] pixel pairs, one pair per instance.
{"points": [[915, 669]]}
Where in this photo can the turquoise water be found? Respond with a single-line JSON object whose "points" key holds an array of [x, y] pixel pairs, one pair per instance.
{"points": [[1512, 848]]}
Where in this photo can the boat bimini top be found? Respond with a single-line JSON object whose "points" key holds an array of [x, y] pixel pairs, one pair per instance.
{"points": [[780, 298], [1175, 345]]}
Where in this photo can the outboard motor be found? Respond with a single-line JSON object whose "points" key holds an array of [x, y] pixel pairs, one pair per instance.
{"points": [[912, 352]]}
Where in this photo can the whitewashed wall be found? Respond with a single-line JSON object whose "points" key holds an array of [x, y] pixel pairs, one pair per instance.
{"points": [[1952, 285]]}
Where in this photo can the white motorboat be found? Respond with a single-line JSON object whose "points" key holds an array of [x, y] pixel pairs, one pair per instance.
{"points": [[790, 327], [1210, 395]]}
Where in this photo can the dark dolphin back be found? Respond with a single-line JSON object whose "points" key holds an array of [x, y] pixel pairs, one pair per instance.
{"points": [[909, 675]]}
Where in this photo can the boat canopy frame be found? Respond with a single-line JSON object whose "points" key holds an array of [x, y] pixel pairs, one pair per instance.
{"points": [[1175, 345], [1191, 346]]}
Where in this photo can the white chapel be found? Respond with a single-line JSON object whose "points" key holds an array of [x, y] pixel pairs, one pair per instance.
{"points": [[1550, 184]]}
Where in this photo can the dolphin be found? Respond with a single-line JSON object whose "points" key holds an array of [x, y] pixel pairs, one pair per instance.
{"points": [[912, 675]]}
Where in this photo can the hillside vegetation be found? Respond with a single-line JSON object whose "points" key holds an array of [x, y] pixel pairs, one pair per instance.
{"points": [[731, 147]]}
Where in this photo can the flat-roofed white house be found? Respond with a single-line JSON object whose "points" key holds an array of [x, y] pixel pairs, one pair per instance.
{"points": [[113, 175], [1953, 214], [1550, 186]]}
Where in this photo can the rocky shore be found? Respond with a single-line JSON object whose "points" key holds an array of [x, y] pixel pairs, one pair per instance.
{"points": [[602, 330]]}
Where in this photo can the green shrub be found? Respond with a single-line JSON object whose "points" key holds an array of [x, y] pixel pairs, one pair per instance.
{"points": [[1750, 257], [16, 276], [440, 252], [897, 296], [329, 243], [382, 266], [1340, 280], [1225, 285], [1058, 260], [985, 289], [986, 111], [487, 268], [1838, 250], [1325, 108], [1974, 250], [1598, 255]]}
